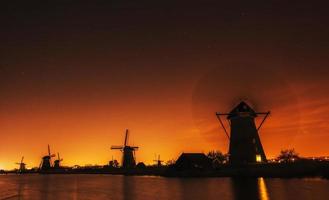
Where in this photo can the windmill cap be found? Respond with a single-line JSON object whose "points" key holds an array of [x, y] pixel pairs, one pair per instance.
{"points": [[244, 108]]}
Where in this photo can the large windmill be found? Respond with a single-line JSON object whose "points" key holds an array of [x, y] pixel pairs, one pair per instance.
{"points": [[46, 160], [22, 166], [57, 163], [245, 145], [128, 157]]}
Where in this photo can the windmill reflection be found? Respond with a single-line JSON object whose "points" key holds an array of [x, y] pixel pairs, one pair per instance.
{"points": [[128, 188], [249, 188], [263, 194]]}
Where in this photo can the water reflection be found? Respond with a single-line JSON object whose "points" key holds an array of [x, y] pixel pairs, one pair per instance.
{"points": [[263, 194], [105, 187], [196, 189], [249, 188], [20, 189], [128, 187], [44, 187]]}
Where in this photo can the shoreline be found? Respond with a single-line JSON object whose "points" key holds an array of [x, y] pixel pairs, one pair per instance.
{"points": [[302, 169]]}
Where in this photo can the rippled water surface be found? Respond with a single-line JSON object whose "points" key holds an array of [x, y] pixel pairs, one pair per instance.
{"points": [[156, 188]]}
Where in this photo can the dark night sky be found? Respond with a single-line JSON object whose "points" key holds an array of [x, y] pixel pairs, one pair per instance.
{"points": [[77, 74]]}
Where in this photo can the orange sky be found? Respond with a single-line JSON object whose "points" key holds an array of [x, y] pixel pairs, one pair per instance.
{"points": [[167, 120], [76, 81]]}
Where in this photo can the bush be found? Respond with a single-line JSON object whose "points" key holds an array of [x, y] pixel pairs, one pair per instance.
{"points": [[217, 156], [288, 155]]}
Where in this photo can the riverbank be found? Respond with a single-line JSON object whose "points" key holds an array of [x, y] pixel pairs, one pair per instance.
{"points": [[271, 170], [300, 169]]}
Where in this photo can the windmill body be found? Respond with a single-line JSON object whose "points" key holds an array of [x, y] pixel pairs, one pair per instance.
{"points": [[22, 166], [46, 163], [128, 160], [57, 163], [128, 153], [245, 145]]}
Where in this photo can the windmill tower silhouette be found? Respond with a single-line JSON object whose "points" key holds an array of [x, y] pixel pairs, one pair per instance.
{"points": [[22, 166], [158, 161], [57, 163], [245, 145], [128, 153], [46, 160]]}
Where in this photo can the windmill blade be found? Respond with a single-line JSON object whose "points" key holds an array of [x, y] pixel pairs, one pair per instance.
{"points": [[126, 137], [221, 123], [134, 148], [22, 159], [17, 163], [48, 150], [116, 147], [265, 117], [58, 156], [52, 155]]}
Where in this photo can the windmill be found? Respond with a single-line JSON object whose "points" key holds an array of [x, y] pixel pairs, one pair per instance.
{"points": [[128, 157], [22, 166], [46, 160], [58, 162], [158, 161], [245, 145]]}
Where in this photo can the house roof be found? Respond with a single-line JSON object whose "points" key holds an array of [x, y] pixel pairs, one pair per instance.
{"points": [[197, 158], [194, 155]]}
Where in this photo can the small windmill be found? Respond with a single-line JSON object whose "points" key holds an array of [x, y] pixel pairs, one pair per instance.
{"points": [[22, 166], [46, 160], [128, 157], [158, 161], [58, 162]]}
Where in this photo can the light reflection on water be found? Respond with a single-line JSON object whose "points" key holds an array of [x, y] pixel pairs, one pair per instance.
{"points": [[263, 195], [109, 187]]}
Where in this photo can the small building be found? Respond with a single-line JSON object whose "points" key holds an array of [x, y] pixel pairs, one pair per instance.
{"points": [[193, 161]]}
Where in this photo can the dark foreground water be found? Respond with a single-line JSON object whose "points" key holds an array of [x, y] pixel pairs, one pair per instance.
{"points": [[74, 187]]}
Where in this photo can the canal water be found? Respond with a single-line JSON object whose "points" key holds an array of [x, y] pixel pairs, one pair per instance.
{"points": [[110, 187]]}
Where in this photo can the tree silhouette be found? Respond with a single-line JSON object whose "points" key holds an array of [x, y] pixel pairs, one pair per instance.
{"points": [[288, 155], [114, 163], [217, 156], [170, 162]]}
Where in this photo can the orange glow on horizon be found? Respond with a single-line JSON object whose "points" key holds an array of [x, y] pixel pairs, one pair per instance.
{"points": [[82, 122]]}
